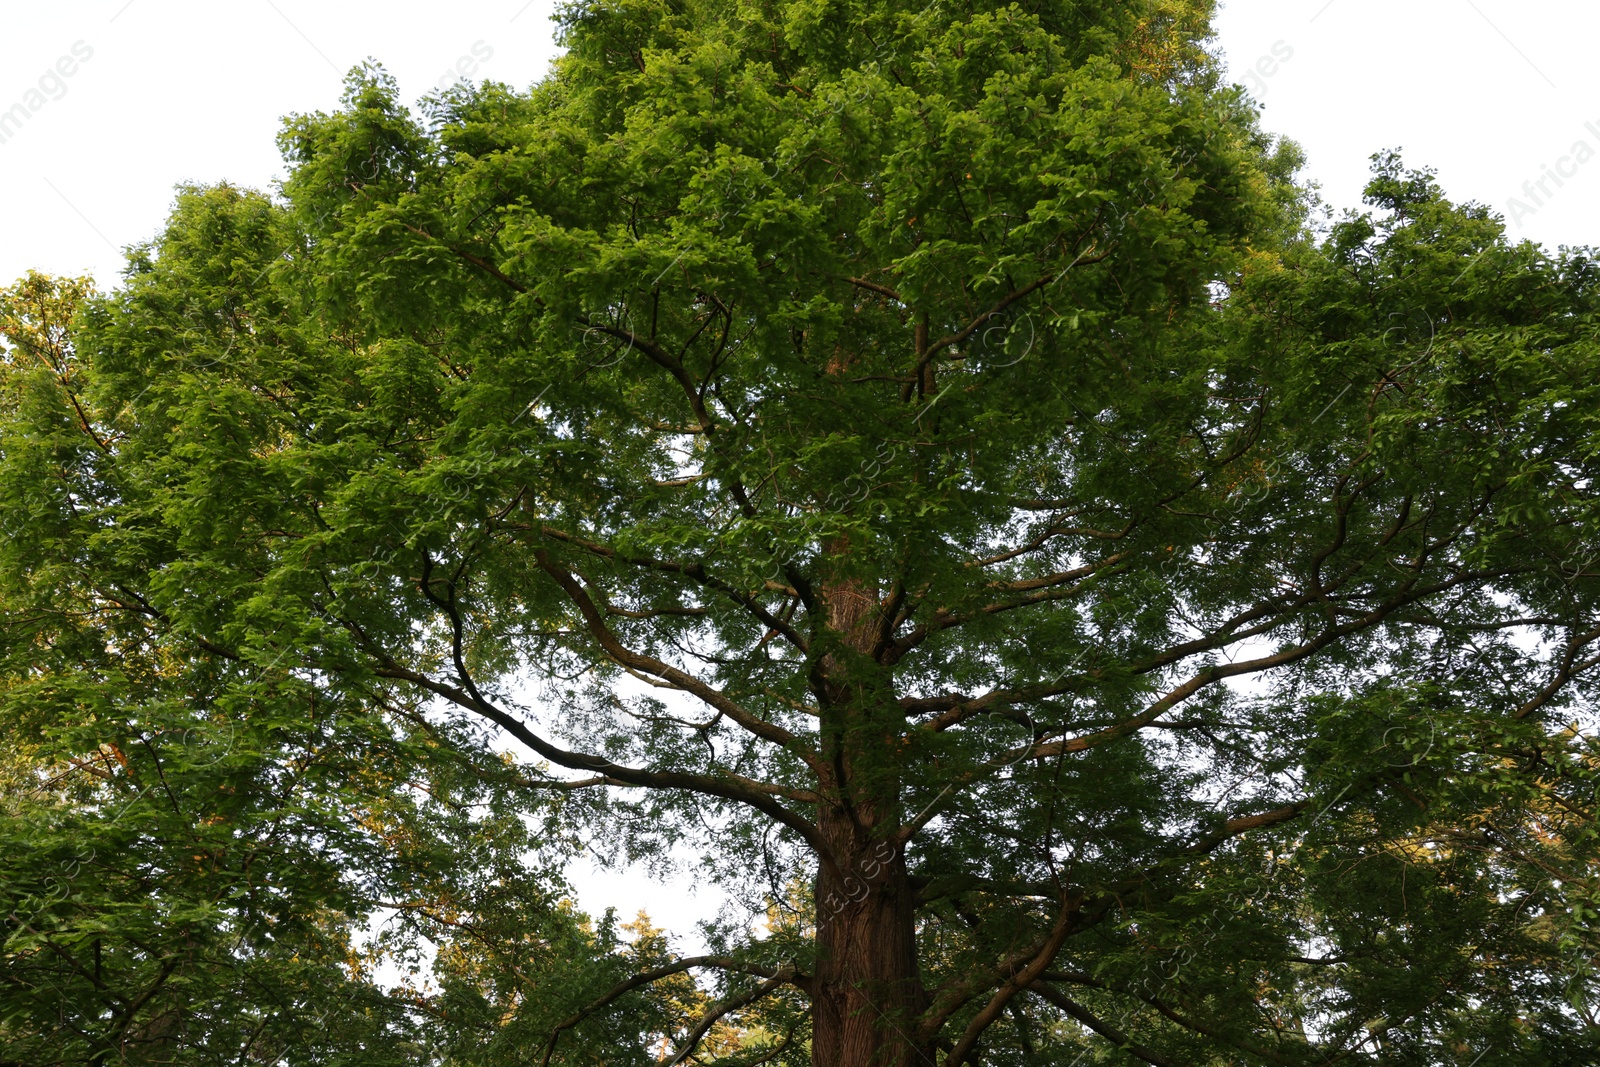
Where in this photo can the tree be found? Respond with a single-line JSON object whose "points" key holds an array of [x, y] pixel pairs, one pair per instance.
{"points": [[925, 453], [170, 885], [198, 852]]}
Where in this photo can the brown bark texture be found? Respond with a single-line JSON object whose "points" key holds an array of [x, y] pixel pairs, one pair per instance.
{"points": [[867, 994]]}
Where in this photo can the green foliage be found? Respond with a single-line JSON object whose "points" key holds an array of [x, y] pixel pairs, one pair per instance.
{"points": [[888, 453]]}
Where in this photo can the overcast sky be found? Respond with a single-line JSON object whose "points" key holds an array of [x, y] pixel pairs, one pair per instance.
{"points": [[127, 99]]}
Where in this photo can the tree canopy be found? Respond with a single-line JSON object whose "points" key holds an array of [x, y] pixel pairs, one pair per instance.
{"points": [[931, 466]]}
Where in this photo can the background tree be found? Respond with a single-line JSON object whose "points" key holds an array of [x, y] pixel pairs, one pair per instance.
{"points": [[923, 453]]}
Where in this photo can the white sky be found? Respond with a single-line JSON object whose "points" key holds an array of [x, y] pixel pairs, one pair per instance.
{"points": [[1487, 91]]}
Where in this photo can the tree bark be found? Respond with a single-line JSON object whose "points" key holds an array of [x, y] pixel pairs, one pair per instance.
{"points": [[867, 995]]}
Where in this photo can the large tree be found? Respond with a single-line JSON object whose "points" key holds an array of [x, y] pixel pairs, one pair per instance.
{"points": [[923, 461]]}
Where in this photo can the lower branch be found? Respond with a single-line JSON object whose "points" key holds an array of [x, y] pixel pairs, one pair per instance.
{"points": [[1100, 1026], [1024, 978], [775, 977], [722, 1008]]}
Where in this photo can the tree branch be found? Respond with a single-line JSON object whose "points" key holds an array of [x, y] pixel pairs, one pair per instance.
{"points": [[874, 287], [694, 571], [728, 787], [644, 978], [722, 1008], [1013, 985], [715, 698], [1100, 1026]]}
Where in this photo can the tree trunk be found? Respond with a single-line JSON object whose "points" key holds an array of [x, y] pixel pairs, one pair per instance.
{"points": [[867, 994]]}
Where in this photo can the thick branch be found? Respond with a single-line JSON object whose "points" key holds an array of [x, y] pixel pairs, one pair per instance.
{"points": [[1013, 985], [1570, 668], [874, 287], [628, 985], [728, 787], [1244, 824], [1213, 674], [1166, 1010], [713, 697], [694, 571], [1006, 301], [722, 1008], [1040, 591], [1100, 1026]]}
